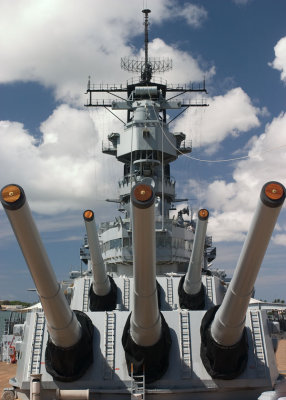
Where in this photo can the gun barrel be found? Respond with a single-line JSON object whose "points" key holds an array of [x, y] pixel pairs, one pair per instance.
{"points": [[193, 279], [101, 283], [145, 324], [228, 324], [63, 326]]}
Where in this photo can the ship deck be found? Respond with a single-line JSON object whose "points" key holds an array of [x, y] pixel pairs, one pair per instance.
{"points": [[9, 370]]}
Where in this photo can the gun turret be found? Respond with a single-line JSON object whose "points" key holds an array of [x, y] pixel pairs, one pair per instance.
{"points": [[146, 337], [224, 348], [103, 291], [70, 333], [191, 290]]}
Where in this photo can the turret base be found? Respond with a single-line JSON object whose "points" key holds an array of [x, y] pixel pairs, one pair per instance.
{"points": [[222, 362], [153, 361], [69, 364]]}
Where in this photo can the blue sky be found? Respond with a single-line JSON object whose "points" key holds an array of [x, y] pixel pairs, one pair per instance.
{"points": [[51, 145]]}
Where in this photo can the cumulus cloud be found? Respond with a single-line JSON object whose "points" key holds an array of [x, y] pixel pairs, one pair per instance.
{"points": [[60, 43], [233, 203], [185, 66], [227, 115], [66, 170], [193, 14], [279, 62]]}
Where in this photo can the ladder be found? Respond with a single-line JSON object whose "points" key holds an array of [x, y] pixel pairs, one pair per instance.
{"points": [[170, 296], [126, 298], [109, 344], [37, 345], [209, 287], [86, 287], [137, 385], [186, 368], [258, 342]]}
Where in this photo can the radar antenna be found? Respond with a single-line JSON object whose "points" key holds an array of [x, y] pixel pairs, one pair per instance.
{"points": [[147, 65]]}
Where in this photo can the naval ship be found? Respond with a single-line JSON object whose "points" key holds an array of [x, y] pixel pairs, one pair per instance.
{"points": [[147, 318]]}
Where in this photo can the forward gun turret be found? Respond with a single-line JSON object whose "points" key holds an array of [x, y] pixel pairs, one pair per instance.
{"points": [[224, 348], [69, 348]]}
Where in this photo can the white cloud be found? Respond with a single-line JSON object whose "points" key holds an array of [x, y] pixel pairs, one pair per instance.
{"points": [[234, 202], [193, 14], [60, 43], [227, 115], [184, 65], [67, 170], [279, 62], [280, 239]]}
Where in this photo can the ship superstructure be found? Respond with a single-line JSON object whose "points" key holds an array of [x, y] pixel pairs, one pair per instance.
{"points": [[146, 147], [147, 319]]}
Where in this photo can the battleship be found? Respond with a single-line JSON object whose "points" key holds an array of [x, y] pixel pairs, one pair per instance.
{"points": [[147, 318]]}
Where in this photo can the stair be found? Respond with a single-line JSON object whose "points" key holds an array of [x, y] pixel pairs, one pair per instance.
{"points": [[110, 320], [85, 301], [126, 294], [170, 295], [37, 345], [137, 386], [186, 362], [258, 342]]}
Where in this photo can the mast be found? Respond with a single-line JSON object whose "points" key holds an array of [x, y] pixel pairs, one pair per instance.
{"points": [[147, 72]]}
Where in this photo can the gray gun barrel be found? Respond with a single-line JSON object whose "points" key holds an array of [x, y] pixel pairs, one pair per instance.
{"points": [[193, 279], [146, 337], [145, 324], [228, 324], [101, 283], [63, 326]]}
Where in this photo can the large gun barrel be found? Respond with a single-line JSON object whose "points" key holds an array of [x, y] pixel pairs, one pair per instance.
{"points": [[227, 328], [65, 328], [103, 291], [191, 289], [146, 336], [145, 325], [229, 320]]}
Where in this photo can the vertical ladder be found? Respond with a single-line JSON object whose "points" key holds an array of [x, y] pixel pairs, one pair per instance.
{"points": [[37, 345], [258, 342], [86, 287], [126, 296], [170, 295], [137, 386], [109, 344], [209, 287], [186, 367]]}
